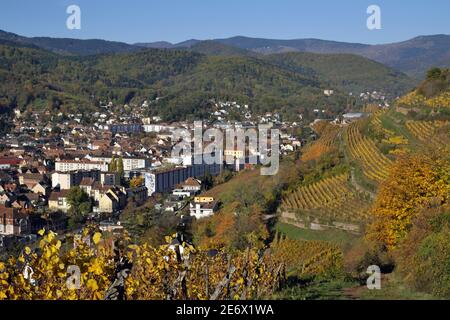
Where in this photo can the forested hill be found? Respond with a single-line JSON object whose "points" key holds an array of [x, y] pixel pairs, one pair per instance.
{"points": [[349, 72], [186, 80]]}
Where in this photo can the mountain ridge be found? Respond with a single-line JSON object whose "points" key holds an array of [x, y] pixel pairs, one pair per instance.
{"points": [[413, 56]]}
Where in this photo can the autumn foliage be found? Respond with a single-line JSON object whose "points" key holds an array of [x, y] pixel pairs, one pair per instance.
{"points": [[415, 182], [155, 272]]}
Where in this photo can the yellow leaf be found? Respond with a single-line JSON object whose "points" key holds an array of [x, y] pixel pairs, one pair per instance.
{"points": [[41, 232], [92, 285], [96, 238], [27, 250]]}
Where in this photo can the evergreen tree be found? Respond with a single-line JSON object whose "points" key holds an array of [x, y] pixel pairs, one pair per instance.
{"points": [[119, 166], [113, 165]]}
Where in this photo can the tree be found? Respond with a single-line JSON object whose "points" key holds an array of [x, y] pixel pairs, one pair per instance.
{"points": [[434, 73], [119, 168], [415, 182], [113, 165], [136, 182], [80, 205]]}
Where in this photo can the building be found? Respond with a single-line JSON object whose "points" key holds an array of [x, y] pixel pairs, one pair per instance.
{"points": [[7, 163], [67, 180], [129, 163], [109, 178], [157, 128], [31, 179], [126, 128], [203, 207], [113, 200], [160, 181], [192, 184], [13, 222], [83, 164], [58, 201]]}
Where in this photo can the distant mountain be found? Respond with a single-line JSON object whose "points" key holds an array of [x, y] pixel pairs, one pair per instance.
{"points": [[214, 48], [155, 45], [271, 46], [71, 46], [413, 57]]}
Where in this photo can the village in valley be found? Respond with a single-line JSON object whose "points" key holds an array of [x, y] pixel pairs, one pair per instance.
{"points": [[63, 173]]}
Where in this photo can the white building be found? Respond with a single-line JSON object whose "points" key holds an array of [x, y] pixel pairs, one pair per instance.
{"points": [[203, 207], [129, 163], [75, 165]]}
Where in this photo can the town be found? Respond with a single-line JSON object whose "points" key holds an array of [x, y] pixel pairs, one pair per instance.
{"points": [[62, 173]]}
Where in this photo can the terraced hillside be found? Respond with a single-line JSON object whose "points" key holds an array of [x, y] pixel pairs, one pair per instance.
{"points": [[429, 131], [332, 201], [328, 141], [363, 150]]}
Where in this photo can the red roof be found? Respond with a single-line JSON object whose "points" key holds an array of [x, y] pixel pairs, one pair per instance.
{"points": [[10, 161]]}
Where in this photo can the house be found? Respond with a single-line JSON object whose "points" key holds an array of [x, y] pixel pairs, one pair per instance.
{"points": [[40, 188], [203, 207], [31, 179], [13, 222], [188, 188], [178, 192], [192, 184], [7, 163], [113, 200], [58, 201], [6, 198]]}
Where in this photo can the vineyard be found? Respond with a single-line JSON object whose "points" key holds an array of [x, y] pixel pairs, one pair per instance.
{"points": [[414, 99], [427, 131], [307, 258], [135, 272], [374, 164], [326, 143], [330, 199]]}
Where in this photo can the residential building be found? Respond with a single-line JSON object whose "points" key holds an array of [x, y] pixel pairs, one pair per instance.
{"points": [[58, 201], [129, 163], [203, 207], [13, 222], [83, 164], [67, 180]]}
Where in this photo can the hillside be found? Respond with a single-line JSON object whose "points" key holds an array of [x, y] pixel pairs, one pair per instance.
{"points": [[413, 56], [433, 93], [214, 48], [349, 72], [186, 80]]}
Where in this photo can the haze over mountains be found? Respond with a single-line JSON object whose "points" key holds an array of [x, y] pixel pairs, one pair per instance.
{"points": [[412, 57]]}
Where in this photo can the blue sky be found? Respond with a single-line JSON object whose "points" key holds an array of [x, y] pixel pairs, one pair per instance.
{"points": [[177, 20]]}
